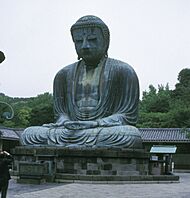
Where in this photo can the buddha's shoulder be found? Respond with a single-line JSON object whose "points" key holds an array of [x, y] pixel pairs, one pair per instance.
{"points": [[67, 68], [120, 65]]}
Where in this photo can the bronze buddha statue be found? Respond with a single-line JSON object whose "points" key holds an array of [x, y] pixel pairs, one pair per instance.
{"points": [[95, 99]]}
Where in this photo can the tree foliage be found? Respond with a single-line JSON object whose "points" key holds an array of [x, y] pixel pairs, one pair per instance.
{"points": [[28, 111], [165, 108], [153, 101]]}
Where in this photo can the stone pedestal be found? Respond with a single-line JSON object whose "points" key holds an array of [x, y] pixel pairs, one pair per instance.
{"points": [[56, 164]]}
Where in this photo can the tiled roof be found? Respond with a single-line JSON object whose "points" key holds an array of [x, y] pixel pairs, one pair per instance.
{"points": [[8, 134], [165, 135]]}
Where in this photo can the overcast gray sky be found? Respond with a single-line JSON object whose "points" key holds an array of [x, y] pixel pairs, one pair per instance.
{"points": [[153, 36]]}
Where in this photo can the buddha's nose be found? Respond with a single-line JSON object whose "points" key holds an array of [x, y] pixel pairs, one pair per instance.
{"points": [[85, 44]]}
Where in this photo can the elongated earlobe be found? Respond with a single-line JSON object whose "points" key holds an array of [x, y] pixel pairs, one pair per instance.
{"points": [[79, 58]]}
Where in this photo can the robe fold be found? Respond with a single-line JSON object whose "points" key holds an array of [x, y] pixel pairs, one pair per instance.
{"points": [[118, 89], [116, 111]]}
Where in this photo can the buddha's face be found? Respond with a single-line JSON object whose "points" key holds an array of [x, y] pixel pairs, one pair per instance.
{"points": [[89, 44]]}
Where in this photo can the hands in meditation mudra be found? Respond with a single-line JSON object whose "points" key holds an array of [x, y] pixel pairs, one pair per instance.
{"points": [[95, 99]]}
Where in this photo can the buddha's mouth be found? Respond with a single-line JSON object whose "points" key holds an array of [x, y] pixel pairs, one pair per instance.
{"points": [[86, 51]]}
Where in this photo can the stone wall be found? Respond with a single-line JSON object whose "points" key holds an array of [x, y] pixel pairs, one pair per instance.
{"points": [[102, 162]]}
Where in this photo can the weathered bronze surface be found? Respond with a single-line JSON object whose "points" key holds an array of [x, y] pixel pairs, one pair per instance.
{"points": [[95, 99]]}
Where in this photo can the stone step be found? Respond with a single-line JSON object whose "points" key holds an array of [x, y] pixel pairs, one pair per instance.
{"points": [[31, 180], [70, 178]]}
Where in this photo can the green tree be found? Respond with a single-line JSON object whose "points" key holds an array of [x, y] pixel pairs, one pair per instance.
{"points": [[28, 111], [23, 117], [42, 114], [153, 120], [182, 89], [156, 101]]}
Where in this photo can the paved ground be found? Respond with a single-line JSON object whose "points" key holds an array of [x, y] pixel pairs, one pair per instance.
{"points": [[76, 190]]}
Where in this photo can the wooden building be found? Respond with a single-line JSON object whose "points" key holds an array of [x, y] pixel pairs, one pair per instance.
{"points": [[9, 138], [170, 136]]}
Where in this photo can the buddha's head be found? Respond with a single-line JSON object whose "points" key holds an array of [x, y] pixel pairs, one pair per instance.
{"points": [[91, 37]]}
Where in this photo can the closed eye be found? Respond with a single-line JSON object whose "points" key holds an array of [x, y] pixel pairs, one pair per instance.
{"points": [[78, 40], [92, 38]]}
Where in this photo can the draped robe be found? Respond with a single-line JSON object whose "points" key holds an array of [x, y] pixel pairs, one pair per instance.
{"points": [[116, 111]]}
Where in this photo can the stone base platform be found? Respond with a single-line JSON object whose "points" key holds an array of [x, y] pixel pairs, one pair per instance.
{"points": [[115, 179], [57, 164]]}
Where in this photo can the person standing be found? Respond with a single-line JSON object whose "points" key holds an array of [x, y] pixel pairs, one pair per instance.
{"points": [[5, 161]]}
